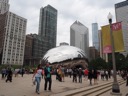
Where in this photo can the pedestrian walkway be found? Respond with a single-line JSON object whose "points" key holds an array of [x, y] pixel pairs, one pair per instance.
{"points": [[22, 86]]}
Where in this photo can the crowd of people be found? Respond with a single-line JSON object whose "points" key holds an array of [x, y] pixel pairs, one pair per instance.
{"points": [[92, 74], [9, 71], [76, 75]]}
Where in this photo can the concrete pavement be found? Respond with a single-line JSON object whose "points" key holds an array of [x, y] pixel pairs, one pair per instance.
{"points": [[22, 86]]}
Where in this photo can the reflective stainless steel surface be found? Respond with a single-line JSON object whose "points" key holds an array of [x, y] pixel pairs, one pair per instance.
{"points": [[62, 53]]}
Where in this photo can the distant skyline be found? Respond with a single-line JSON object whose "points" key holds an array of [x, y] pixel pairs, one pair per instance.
{"points": [[85, 11]]}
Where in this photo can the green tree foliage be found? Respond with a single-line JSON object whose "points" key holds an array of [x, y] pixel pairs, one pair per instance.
{"points": [[120, 59], [98, 63], [124, 63]]}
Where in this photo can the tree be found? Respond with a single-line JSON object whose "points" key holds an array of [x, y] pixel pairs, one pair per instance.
{"points": [[98, 63], [124, 65], [120, 59]]}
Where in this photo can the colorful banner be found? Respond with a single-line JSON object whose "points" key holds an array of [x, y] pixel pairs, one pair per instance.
{"points": [[117, 36]]}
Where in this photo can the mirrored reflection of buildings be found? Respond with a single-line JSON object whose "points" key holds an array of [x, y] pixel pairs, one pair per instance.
{"points": [[79, 36], [121, 11], [46, 37], [65, 55], [12, 36], [63, 43]]}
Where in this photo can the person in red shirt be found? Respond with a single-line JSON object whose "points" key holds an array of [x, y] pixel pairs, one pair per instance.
{"points": [[86, 73]]}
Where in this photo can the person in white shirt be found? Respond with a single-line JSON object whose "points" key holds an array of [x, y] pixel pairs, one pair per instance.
{"points": [[38, 76]]}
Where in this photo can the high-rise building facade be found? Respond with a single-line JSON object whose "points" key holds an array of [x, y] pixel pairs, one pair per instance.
{"points": [[12, 38], [33, 49], [95, 38], [4, 6], [38, 45], [100, 43], [28, 50], [93, 53], [46, 37], [79, 36], [48, 26], [121, 10]]}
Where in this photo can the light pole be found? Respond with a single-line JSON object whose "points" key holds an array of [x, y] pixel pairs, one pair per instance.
{"points": [[115, 86]]}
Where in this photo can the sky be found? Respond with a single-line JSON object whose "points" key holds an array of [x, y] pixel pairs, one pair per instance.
{"points": [[84, 11]]}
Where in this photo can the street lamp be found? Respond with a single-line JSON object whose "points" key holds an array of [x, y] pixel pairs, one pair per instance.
{"points": [[115, 86]]}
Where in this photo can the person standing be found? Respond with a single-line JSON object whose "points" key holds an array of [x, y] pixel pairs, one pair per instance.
{"points": [[70, 72], [86, 73], [102, 74], [48, 77], [127, 79], [59, 74], [38, 76], [75, 72], [95, 76], [3, 72], [109, 74], [9, 75], [106, 75], [63, 73], [80, 73], [22, 72], [90, 76]]}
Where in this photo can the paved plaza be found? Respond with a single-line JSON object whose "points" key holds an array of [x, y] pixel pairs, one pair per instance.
{"points": [[22, 86]]}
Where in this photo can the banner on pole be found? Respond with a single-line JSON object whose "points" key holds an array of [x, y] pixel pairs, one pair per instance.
{"points": [[117, 36]]}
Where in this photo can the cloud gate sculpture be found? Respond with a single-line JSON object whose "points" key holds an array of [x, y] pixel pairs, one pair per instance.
{"points": [[66, 55]]}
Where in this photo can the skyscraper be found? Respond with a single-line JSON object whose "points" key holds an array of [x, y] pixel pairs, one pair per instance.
{"points": [[121, 10], [95, 38], [4, 6], [46, 37], [48, 26], [12, 36], [79, 36], [33, 49]]}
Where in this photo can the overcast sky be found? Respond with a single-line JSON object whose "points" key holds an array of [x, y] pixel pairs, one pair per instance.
{"points": [[85, 11]]}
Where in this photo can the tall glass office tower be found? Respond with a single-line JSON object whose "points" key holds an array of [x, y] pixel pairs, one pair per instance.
{"points": [[79, 36], [48, 26], [95, 38], [121, 10]]}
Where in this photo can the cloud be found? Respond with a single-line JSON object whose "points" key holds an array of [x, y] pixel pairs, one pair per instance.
{"points": [[85, 11]]}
